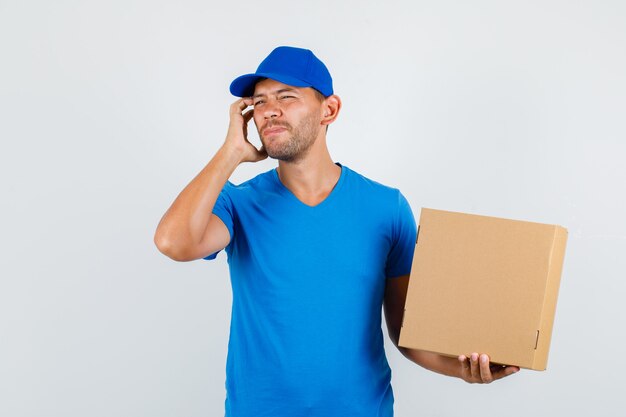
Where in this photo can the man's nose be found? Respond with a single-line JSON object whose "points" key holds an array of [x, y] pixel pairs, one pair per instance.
{"points": [[271, 109]]}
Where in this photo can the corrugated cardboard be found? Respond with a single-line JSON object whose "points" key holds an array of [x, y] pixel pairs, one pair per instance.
{"points": [[484, 284]]}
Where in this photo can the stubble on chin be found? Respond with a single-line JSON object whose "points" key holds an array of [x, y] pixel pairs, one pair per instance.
{"points": [[296, 146]]}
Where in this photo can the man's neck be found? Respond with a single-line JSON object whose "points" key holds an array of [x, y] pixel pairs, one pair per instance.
{"points": [[312, 178]]}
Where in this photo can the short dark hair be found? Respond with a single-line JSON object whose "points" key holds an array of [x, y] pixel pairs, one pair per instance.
{"points": [[320, 97]]}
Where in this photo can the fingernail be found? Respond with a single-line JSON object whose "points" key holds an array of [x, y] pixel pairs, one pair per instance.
{"points": [[483, 358]]}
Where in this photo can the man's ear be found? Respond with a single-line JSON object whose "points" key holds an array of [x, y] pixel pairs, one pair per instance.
{"points": [[330, 108]]}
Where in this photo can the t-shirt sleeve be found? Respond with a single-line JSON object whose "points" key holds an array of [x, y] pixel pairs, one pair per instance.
{"points": [[403, 235], [224, 210]]}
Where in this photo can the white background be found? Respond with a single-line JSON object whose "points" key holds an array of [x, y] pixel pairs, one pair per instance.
{"points": [[108, 109]]}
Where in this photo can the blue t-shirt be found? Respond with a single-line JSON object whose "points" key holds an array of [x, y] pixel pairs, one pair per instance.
{"points": [[308, 285]]}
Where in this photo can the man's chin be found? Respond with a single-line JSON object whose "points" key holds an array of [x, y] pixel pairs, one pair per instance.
{"points": [[284, 158], [281, 156]]}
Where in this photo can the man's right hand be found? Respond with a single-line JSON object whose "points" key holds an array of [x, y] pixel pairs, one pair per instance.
{"points": [[237, 136]]}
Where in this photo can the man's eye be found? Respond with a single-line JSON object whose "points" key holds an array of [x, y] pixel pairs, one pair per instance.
{"points": [[283, 97], [256, 103]]}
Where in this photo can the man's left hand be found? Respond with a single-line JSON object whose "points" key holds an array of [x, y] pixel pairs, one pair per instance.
{"points": [[477, 369]]}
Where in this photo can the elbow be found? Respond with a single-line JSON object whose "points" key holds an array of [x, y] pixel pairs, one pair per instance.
{"points": [[393, 330], [167, 247], [394, 337]]}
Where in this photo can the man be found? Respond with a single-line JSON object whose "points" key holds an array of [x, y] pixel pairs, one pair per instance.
{"points": [[314, 250]]}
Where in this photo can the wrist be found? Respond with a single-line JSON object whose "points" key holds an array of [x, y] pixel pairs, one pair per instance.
{"points": [[233, 153]]}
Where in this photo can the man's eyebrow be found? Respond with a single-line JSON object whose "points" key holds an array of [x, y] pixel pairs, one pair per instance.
{"points": [[287, 90], [282, 90]]}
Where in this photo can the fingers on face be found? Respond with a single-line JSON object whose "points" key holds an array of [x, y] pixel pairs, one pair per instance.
{"points": [[240, 105], [248, 115]]}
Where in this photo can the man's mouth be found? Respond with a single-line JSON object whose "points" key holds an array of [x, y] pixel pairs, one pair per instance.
{"points": [[273, 130]]}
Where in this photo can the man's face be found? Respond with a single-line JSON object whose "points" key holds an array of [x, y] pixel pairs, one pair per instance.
{"points": [[287, 119]]}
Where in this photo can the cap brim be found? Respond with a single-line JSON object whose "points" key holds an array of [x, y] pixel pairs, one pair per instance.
{"points": [[243, 86]]}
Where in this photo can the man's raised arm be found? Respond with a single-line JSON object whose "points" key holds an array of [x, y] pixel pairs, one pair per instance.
{"points": [[188, 230]]}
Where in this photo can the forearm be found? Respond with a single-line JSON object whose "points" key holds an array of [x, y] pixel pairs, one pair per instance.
{"points": [[434, 362], [473, 369], [185, 222]]}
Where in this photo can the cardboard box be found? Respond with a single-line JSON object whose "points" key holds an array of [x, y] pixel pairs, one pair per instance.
{"points": [[484, 284]]}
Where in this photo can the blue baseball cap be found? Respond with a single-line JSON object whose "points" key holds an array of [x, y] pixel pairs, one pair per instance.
{"points": [[292, 66]]}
